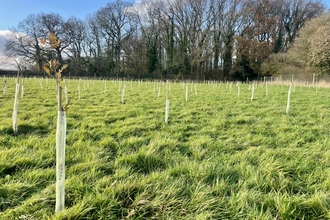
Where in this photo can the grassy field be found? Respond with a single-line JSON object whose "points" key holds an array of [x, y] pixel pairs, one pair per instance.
{"points": [[220, 156]]}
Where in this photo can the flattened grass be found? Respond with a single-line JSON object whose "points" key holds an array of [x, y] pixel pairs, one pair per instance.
{"points": [[220, 156]]}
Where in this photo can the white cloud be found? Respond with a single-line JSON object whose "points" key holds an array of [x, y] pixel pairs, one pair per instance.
{"points": [[3, 39], [5, 62]]}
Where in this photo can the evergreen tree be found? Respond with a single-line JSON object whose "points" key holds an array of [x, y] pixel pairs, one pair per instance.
{"points": [[152, 58], [279, 42]]}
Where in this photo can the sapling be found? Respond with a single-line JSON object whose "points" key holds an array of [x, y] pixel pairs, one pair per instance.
{"points": [[53, 68]]}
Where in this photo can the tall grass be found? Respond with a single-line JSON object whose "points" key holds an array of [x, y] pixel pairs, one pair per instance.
{"points": [[220, 157]]}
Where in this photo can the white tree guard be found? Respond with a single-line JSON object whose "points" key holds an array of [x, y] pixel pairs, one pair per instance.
{"points": [[288, 102], [252, 94], [167, 104], [123, 94], [238, 89], [4, 85], [60, 160], [22, 91], [15, 110], [167, 109]]}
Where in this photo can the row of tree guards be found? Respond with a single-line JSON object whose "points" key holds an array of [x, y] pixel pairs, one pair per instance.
{"points": [[61, 119]]}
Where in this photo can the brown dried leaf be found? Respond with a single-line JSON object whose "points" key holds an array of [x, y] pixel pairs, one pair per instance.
{"points": [[53, 40], [56, 44], [63, 68], [42, 40], [52, 37], [54, 64], [47, 70]]}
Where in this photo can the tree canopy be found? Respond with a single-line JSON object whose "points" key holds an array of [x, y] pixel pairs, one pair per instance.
{"points": [[309, 54], [196, 39]]}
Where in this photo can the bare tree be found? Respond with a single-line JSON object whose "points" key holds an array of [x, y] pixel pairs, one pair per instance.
{"points": [[54, 23], [296, 13], [24, 41], [93, 46], [116, 27], [76, 28]]}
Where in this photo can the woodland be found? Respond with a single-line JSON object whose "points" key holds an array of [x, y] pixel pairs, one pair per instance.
{"points": [[185, 39]]}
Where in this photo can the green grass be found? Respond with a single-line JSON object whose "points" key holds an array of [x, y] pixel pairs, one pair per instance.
{"points": [[219, 157]]}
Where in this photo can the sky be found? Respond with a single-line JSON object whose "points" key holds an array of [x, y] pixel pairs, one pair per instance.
{"points": [[14, 11]]}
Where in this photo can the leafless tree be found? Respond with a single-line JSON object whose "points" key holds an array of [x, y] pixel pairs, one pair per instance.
{"points": [[24, 41], [116, 27]]}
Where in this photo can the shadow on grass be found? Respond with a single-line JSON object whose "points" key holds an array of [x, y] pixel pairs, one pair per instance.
{"points": [[26, 129]]}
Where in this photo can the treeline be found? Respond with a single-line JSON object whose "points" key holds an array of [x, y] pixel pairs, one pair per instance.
{"points": [[190, 39]]}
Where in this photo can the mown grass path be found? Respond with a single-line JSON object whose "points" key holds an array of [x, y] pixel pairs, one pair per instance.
{"points": [[220, 156]]}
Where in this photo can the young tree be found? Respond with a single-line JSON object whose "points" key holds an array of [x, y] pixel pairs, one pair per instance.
{"points": [[54, 68]]}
